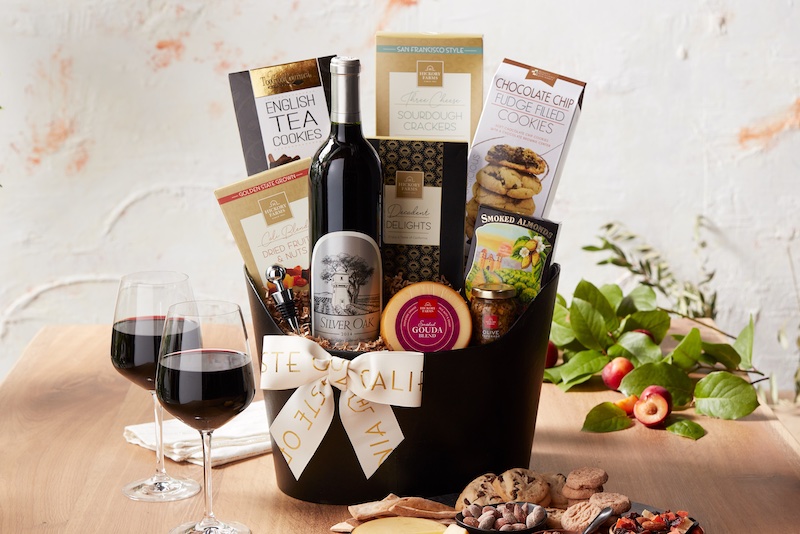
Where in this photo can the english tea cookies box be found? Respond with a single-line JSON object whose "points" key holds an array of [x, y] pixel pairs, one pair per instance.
{"points": [[424, 184], [268, 217], [428, 85], [283, 111], [522, 140]]}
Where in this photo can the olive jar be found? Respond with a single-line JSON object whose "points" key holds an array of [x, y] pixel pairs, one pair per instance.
{"points": [[494, 310]]}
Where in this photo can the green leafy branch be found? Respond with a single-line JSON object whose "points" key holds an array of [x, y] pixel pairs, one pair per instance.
{"points": [[602, 323], [631, 252]]}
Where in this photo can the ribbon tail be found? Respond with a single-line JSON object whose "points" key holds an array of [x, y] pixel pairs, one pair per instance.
{"points": [[372, 428], [302, 424]]}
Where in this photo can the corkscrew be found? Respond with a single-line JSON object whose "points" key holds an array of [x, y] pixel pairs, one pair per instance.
{"points": [[283, 297]]}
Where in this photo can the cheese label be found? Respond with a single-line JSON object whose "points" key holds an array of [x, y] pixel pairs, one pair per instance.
{"points": [[426, 317], [427, 323]]}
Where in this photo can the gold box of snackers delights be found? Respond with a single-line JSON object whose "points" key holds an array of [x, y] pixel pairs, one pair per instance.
{"points": [[518, 151], [423, 191], [428, 85], [268, 217]]}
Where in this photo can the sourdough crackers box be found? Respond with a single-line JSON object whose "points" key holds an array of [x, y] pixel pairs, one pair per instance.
{"points": [[283, 111], [525, 130], [424, 184], [268, 216], [428, 85]]}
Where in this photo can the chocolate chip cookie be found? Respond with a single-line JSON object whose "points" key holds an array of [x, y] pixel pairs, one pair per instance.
{"points": [[514, 205], [520, 484], [556, 482], [508, 182], [480, 491], [518, 158]]}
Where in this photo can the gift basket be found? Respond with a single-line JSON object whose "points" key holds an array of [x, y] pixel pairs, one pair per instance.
{"points": [[422, 260]]}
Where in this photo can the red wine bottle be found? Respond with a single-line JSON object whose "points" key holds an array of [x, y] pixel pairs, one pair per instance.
{"points": [[345, 208]]}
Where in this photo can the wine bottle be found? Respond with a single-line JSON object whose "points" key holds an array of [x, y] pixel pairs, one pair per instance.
{"points": [[345, 212]]}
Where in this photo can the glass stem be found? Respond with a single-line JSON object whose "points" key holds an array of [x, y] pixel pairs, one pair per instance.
{"points": [[208, 518], [158, 410]]}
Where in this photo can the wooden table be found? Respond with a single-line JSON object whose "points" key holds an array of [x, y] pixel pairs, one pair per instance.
{"points": [[63, 460]]}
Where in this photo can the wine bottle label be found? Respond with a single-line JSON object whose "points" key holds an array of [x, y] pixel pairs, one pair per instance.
{"points": [[346, 287]]}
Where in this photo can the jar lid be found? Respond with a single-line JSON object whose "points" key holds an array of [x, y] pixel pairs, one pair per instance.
{"points": [[494, 290]]}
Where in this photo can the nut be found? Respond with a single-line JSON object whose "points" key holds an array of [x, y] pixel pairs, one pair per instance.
{"points": [[486, 522], [473, 510], [471, 521], [519, 513], [504, 517], [537, 514]]}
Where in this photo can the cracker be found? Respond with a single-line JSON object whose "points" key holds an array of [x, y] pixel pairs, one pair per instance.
{"points": [[371, 510]]}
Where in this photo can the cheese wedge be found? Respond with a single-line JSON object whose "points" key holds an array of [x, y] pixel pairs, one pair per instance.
{"points": [[426, 317], [455, 529], [400, 525]]}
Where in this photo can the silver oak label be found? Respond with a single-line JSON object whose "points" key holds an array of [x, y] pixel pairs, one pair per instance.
{"points": [[346, 287]]}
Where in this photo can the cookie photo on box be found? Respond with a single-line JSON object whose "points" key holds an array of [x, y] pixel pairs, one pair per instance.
{"points": [[523, 136]]}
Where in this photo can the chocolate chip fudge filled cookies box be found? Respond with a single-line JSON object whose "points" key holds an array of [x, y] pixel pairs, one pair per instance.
{"points": [[522, 140], [283, 111], [428, 85]]}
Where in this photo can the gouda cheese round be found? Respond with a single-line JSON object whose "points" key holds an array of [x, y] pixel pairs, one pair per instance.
{"points": [[426, 317], [400, 525]]}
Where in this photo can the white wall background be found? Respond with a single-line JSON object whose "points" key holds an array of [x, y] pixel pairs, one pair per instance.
{"points": [[117, 125]]}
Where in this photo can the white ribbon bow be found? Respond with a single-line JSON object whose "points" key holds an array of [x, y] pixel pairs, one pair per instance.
{"points": [[370, 383]]}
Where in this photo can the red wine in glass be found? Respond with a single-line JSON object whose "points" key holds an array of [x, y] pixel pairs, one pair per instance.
{"points": [[142, 302], [205, 386], [134, 348]]}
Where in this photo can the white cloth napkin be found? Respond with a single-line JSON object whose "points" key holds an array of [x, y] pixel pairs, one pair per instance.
{"points": [[244, 436]]}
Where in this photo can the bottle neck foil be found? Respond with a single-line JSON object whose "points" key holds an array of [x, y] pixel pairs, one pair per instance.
{"points": [[345, 105]]}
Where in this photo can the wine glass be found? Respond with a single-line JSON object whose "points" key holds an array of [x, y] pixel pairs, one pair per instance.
{"points": [[205, 386], [142, 302]]}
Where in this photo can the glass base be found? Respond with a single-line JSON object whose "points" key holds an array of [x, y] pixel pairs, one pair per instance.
{"points": [[210, 527], [161, 489]]}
